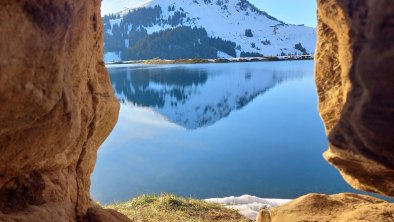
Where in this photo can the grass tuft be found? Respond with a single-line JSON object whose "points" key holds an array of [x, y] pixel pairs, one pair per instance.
{"points": [[170, 208]]}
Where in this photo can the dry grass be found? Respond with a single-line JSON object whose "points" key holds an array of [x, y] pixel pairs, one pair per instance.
{"points": [[170, 208]]}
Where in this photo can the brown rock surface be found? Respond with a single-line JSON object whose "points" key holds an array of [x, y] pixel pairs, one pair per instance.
{"points": [[355, 81], [334, 208], [57, 107], [97, 214]]}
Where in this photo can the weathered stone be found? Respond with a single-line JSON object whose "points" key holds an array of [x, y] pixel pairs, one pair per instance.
{"points": [[263, 216], [355, 82], [97, 214], [334, 208], [57, 107]]}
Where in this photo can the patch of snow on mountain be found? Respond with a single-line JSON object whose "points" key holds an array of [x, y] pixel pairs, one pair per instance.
{"points": [[223, 55], [229, 24]]}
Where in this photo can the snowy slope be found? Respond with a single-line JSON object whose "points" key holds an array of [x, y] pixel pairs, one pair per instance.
{"points": [[228, 19]]}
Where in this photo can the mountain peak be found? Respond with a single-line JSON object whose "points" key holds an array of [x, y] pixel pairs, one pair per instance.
{"points": [[252, 30]]}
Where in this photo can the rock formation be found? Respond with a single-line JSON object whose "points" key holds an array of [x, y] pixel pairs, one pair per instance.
{"points": [[263, 216], [355, 82], [334, 208], [57, 107]]}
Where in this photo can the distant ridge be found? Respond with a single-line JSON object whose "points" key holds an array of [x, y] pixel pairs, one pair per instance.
{"points": [[169, 29]]}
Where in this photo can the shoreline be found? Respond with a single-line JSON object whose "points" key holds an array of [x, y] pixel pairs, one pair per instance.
{"points": [[169, 207], [218, 60]]}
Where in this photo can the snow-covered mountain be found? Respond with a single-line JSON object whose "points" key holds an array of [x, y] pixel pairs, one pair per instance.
{"points": [[238, 21], [195, 96]]}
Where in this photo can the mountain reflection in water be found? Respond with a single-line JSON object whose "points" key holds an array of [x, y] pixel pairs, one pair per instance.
{"points": [[169, 139], [195, 96]]}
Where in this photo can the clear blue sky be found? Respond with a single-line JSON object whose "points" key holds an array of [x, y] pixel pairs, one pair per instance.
{"points": [[289, 11]]}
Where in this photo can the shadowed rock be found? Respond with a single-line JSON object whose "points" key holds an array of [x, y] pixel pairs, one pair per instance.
{"points": [[57, 107], [355, 79]]}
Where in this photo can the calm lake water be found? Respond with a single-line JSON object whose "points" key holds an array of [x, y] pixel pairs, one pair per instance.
{"points": [[215, 130]]}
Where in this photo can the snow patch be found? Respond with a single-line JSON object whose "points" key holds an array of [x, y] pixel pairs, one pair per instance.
{"points": [[115, 21], [223, 55], [248, 205]]}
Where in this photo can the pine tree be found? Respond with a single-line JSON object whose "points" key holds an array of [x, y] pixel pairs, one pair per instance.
{"points": [[248, 33]]}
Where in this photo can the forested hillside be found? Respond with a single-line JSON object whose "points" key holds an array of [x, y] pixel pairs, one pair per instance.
{"points": [[169, 29]]}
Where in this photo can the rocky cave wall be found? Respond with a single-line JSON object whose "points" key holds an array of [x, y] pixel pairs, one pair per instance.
{"points": [[57, 106], [355, 82], [354, 73]]}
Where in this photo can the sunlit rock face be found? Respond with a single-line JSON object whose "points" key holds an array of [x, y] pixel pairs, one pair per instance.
{"points": [[57, 107], [334, 208], [355, 80]]}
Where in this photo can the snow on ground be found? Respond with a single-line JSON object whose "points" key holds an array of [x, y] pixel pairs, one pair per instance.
{"points": [[113, 22], [248, 205], [224, 55]]}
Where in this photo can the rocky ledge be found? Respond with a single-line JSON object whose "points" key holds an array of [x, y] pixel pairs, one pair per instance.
{"points": [[334, 208]]}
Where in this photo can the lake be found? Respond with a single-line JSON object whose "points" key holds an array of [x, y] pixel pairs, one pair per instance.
{"points": [[215, 130]]}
